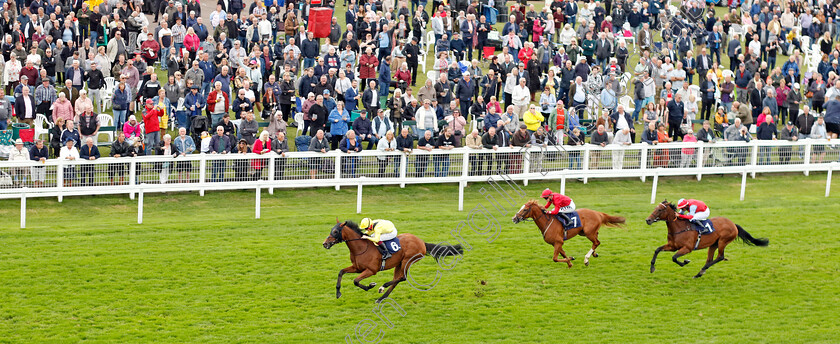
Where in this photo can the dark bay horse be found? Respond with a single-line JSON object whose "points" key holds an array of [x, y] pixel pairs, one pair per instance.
{"points": [[683, 238], [366, 259], [553, 233]]}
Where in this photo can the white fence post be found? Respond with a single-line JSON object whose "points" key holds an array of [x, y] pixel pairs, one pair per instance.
{"points": [[643, 163], [140, 205], [59, 179], [257, 205], [828, 180], [132, 175], [271, 171], [655, 184], [359, 196], [754, 147], [461, 186], [585, 163], [338, 176], [806, 159], [465, 162], [563, 183], [403, 168], [700, 156], [202, 173], [23, 209], [526, 165], [743, 184]]}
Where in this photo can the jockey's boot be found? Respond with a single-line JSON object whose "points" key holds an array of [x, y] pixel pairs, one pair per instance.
{"points": [[563, 217], [383, 250]]}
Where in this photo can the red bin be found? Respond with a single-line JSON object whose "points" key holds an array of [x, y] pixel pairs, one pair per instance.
{"points": [[320, 19]]}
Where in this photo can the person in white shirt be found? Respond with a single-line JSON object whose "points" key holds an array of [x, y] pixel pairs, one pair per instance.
{"points": [[69, 152], [521, 98], [622, 139], [426, 117]]}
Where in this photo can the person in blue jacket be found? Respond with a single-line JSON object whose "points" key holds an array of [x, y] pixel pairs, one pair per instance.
{"points": [[339, 122]]}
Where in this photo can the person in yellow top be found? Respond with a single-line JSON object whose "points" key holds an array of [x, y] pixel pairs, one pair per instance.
{"points": [[532, 118], [379, 231]]}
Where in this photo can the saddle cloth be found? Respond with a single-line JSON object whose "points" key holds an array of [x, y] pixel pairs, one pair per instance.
{"points": [[703, 227], [574, 220], [393, 245]]}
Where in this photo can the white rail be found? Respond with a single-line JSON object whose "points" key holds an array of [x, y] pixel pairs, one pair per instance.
{"points": [[202, 172]]}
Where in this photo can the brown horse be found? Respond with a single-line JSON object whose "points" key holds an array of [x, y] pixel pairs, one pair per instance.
{"points": [[554, 234], [367, 260], [683, 238]]}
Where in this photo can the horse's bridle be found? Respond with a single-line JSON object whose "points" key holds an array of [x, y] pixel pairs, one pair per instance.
{"points": [[339, 238], [544, 214]]}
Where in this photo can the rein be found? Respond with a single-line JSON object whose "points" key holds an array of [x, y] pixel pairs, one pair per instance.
{"points": [[340, 239]]}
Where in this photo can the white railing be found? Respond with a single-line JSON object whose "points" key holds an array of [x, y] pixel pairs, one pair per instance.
{"points": [[202, 172]]}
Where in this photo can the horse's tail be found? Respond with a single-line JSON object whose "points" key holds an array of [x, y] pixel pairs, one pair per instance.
{"points": [[612, 221], [439, 251], [749, 240]]}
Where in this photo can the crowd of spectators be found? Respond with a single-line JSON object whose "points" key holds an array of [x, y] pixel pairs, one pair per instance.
{"points": [[236, 77]]}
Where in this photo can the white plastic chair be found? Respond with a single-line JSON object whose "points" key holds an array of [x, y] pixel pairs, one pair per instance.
{"points": [[695, 90], [627, 103], [430, 39], [299, 122], [421, 59], [110, 83], [433, 76], [106, 120], [107, 96], [39, 126]]}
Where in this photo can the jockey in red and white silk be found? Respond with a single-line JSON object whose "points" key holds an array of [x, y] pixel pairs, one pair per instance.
{"points": [[562, 204], [692, 210]]}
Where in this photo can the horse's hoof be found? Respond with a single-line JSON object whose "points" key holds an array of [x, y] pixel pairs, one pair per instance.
{"points": [[652, 269], [594, 254], [586, 262], [686, 262], [571, 258], [698, 275], [337, 295], [381, 289]]}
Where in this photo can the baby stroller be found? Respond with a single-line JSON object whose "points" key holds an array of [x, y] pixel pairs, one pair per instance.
{"points": [[198, 124]]}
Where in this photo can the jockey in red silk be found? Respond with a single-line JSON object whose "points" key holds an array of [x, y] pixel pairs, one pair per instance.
{"points": [[562, 204], [692, 210]]}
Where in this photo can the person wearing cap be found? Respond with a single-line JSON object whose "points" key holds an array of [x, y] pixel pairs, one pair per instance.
{"points": [[19, 153], [69, 152], [151, 122], [24, 83], [45, 96], [788, 133], [241, 104]]}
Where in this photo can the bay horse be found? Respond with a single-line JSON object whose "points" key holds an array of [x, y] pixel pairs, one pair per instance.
{"points": [[683, 238], [554, 234], [366, 260]]}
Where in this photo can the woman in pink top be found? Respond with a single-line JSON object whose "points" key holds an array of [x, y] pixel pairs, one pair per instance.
{"points": [[688, 153], [83, 103], [62, 109], [132, 130], [493, 103], [191, 42]]}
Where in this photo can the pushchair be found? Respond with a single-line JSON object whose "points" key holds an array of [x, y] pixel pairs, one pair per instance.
{"points": [[198, 124]]}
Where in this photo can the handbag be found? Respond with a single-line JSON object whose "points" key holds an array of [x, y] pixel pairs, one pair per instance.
{"points": [[685, 126], [809, 94]]}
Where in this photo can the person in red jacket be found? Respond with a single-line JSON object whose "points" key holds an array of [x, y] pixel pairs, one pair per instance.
{"points": [[151, 123], [218, 103], [367, 67], [694, 211], [562, 204]]}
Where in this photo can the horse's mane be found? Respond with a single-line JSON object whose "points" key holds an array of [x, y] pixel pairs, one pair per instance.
{"points": [[353, 226], [532, 201]]}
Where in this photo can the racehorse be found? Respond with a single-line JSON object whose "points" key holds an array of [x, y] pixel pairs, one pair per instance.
{"points": [[366, 259], [683, 238], [555, 235]]}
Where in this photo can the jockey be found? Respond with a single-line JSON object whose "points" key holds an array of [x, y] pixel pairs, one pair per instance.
{"points": [[693, 210], [382, 230], [562, 204]]}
